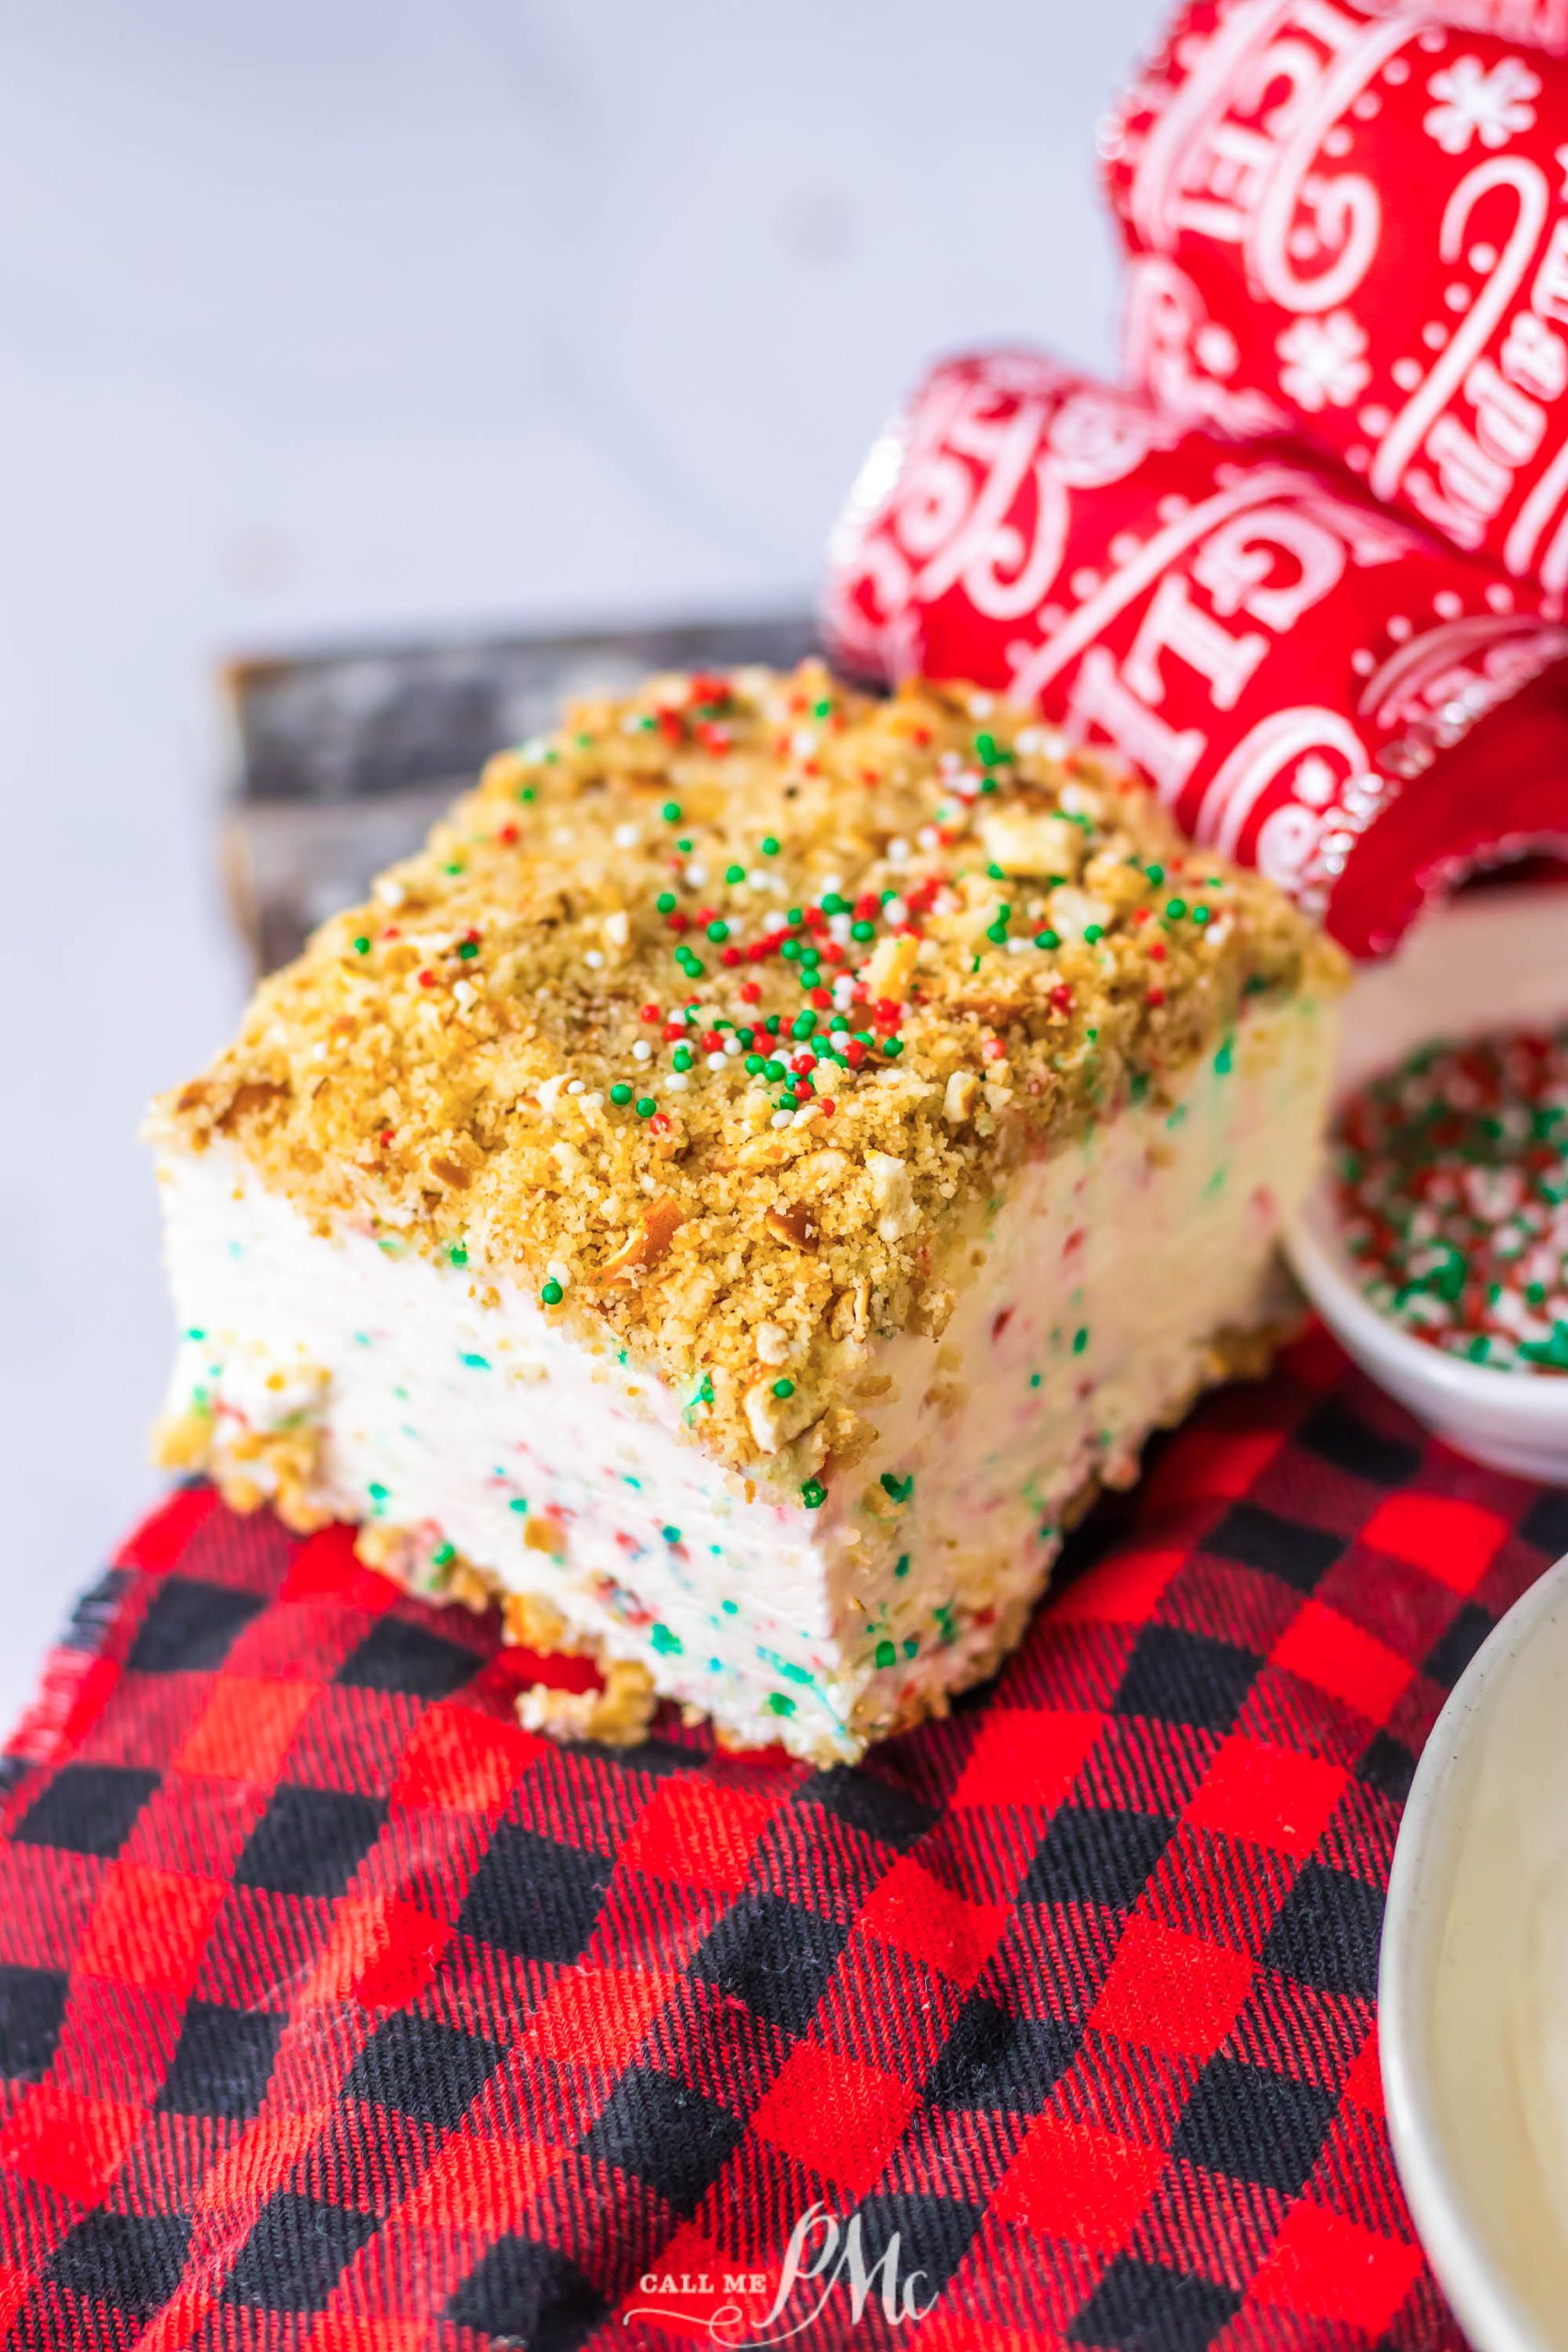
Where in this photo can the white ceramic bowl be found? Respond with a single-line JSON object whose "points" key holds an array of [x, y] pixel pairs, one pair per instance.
{"points": [[1497, 960], [1473, 1992]]}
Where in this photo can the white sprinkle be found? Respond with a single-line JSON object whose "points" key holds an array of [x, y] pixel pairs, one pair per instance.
{"points": [[1021, 946], [839, 928], [319, 1053], [696, 875], [627, 837], [843, 991], [929, 838], [677, 1083], [733, 1047], [804, 741], [391, 891], [715, 1061], [781, 1119], [558, 1272], [830, 882], [642, 1051], [896, 910], [898, 850], [465, 992], [595, 958], [807, 1112], [981, 705], [775, 920], [757, 880], [575, 1087]]}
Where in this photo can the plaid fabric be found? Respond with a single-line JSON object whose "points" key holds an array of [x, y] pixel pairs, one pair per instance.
{"points": [[337, 2012]]}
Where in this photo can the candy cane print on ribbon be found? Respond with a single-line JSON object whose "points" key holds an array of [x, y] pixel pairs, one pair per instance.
{"points": [[1470, 338]]}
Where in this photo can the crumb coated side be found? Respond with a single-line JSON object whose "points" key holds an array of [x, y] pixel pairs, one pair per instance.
{"points": [[710, 1014]]}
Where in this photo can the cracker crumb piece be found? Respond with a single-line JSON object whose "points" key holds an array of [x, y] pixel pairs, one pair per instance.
{"points": [[619, 1715]]}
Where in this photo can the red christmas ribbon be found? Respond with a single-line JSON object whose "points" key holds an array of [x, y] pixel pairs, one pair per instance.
{"points": [[1350, 222], [1283, 660]]}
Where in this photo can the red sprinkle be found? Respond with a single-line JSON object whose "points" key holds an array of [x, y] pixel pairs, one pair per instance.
{"points": [[750, 993]]}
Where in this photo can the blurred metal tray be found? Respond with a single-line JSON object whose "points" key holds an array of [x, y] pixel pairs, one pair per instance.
{"points": [[339, 762]]}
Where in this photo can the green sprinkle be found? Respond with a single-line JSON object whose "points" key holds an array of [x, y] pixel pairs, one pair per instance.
{"points": [[1094, 932], [733, 873], [885, 1655], [769, 845], [670, 1534], [1080, 1339], [443, 1556], [1156, 873], [620, 1092], [814, 1494], [730, 1608], [665, 902], [477, 1364], [892, 1047], [1199, 915], [377, 1492], [1047, 939], [780, 1703], [667, 1643], [468, 949], [783, 1388], [645, 1105], [863, 931], [519, 1503], [900, 1489], [803, 1025], [552, 1294], [362, 947], [457, 1255], [718, 933], [1176, 908], [756, 1065], [682, 1058], [1225, 1061], [671, 812], [901, 1565]]}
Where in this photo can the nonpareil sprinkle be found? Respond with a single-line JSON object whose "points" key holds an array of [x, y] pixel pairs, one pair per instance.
{"points": [[1452, 1183]]}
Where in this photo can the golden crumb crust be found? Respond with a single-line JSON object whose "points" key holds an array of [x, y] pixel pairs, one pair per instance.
{"points": [[710, 1016]]}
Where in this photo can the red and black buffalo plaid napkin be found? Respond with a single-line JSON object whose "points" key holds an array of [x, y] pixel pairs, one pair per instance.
{"points": [[340, 2014]]}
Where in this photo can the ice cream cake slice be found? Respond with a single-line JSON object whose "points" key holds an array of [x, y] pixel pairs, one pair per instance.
{"points": [[741, 1188]]}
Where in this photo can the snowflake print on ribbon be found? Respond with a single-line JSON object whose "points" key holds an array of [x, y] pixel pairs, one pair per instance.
{"points": [[1475, 104], [1324, 363]]}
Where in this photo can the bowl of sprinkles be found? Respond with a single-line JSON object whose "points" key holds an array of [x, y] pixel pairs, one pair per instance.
{"points": [[1450, 1178], [1436, 1246]]}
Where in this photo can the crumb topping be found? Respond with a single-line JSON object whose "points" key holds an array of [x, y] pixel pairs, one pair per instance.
{"points": [[714, 1014]]}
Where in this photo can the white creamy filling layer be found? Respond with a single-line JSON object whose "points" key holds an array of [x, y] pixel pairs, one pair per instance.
{"points": [[1086, 1299]]}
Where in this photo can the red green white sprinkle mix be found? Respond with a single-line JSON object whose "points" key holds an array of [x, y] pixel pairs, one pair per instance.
{"points": [[1452, 1179]]}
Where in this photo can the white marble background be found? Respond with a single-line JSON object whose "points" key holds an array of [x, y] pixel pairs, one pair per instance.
{"points": [[328, 316]]}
